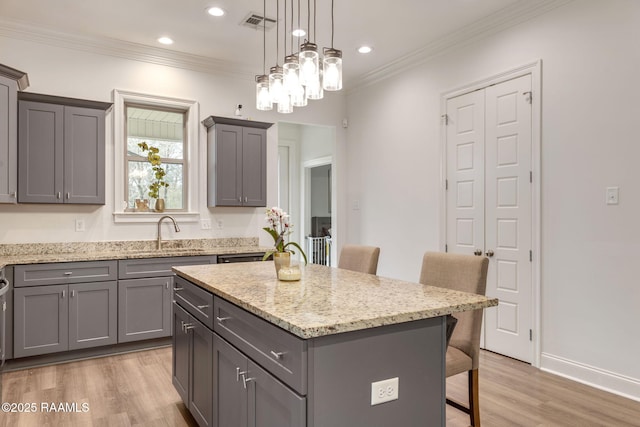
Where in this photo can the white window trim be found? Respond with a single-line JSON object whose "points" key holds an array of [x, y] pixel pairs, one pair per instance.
{"points": [[122, 97]]}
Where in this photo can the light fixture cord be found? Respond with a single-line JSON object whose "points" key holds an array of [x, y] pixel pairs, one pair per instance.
{"points": [[298, 20], [309, 18], [331, 24], [264, 37], [314, 21], [285, 28], [292, 27], [277, 30]]}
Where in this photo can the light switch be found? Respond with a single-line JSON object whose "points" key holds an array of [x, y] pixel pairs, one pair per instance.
{"points": [[612, 195]]}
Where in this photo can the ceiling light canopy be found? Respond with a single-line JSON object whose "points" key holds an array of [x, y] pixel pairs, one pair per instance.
{"points": [[215, 11], [306, 74], [365, 49], [165, 40]]}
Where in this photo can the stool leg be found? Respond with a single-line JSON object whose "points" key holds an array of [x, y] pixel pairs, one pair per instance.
{"points": [[474, 402]]}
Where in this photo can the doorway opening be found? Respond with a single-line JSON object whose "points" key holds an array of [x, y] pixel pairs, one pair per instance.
{"points": [[306, 187]]}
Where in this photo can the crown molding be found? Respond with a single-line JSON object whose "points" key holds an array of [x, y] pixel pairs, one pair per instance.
{"points": [[503, 19], [122, 49]]}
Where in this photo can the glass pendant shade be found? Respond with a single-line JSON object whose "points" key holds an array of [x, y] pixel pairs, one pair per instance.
{"points": [[332, 64], [299, 96], [309, 68], [263, 98], [276, 86], [314, 89], [291, 69], [284, 104]]}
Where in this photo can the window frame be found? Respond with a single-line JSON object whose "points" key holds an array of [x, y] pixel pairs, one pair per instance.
{"points": [[123, 98]]}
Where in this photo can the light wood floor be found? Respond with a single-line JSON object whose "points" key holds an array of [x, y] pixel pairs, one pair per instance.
{"points": [[135, 390]]}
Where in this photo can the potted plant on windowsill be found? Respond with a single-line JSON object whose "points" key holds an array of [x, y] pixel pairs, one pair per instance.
{"points": [[159, 173], [279, 227]]}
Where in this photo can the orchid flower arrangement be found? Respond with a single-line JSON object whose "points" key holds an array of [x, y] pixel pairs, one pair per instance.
{"points": [[280, 227]]}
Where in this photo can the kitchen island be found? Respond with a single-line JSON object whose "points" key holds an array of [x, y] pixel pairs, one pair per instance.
{"points": [[252, 350]]}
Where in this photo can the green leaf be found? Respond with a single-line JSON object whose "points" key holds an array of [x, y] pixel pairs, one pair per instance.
{"points": [[299, 248]]}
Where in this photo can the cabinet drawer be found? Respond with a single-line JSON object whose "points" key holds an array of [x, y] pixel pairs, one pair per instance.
{"points": [[278, 351], [64, 273], [158, 267], [197, 301]]}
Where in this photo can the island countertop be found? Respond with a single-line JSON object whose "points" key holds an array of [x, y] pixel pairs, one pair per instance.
{"points": [[328, 300]]}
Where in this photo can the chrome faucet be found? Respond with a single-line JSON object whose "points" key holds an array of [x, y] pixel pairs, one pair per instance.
{"points": [[175, 225]]}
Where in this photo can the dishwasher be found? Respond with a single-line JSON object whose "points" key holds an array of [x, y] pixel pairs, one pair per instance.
{"points": [[225, 259]]}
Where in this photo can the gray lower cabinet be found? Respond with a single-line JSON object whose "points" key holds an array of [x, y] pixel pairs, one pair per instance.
{"points": [[144, 308], [237, 161], [192, 367], [54, 318], [145, 290], [247, 395], [61, 150]]}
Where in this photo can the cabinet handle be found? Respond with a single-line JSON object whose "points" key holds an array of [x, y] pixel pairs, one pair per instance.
{"points": [[245, 380], [239, 199], [222, 319], [177, 289], [188, 326], [166, 285], [68, 273], [68, 195], [238, 373], [73, 293], [277, 355], [59, 195], [202, 307], [13, 194], [64, 293], [246, 199]]}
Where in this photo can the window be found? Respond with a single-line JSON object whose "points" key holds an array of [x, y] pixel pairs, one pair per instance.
{"points": [[185, 162], [165, 130]]}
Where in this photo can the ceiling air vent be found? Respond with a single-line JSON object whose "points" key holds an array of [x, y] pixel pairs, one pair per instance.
{"points": [[256, 21]]}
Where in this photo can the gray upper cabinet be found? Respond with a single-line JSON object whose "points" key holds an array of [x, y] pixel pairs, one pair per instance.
{"points": [[237, 162], [61, 150], [10, 81]]}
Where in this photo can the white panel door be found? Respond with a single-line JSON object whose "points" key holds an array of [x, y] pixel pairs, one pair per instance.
{"points": [[465, 173], [489, 203], [508, 217]]}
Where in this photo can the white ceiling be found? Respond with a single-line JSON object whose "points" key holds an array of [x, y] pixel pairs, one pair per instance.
{"points": [[398, 30]]}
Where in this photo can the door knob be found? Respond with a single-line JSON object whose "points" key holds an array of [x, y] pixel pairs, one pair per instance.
{"points": [[489, 253], [477, 252]]}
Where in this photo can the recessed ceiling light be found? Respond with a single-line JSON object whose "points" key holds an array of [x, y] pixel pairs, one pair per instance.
{"points": [[299, 32], [365, 49], [165, 40], [215, 11]]}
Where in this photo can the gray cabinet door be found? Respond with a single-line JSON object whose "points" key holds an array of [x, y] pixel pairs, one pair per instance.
{"points": [[271, 403], [40, 152], [201, 378], [41, 320], [144, 308], [8, 140], [228, 165], [93, 311], [84, 155], [229, 394], [181, 345], [254, 167]]}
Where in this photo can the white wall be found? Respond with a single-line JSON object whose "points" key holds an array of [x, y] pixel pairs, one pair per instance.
{"points": [[75, 73], [590, 287]]}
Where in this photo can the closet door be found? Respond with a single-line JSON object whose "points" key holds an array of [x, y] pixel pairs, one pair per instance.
{"points": [[508, 217], [489, 203], [465, 173]]}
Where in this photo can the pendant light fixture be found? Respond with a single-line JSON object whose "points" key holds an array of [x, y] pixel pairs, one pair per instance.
{"points": [[304, 75], [263, 98], [292, 67], [332, 63]]}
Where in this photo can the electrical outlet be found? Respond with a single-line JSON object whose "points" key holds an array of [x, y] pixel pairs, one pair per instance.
{"points": [[384, 391], [205, 224], [220, 224], [612, 195], [80, 225]]}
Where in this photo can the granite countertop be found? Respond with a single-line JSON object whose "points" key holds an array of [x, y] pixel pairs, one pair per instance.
{"points": [[328, 300], [38, 253]]}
